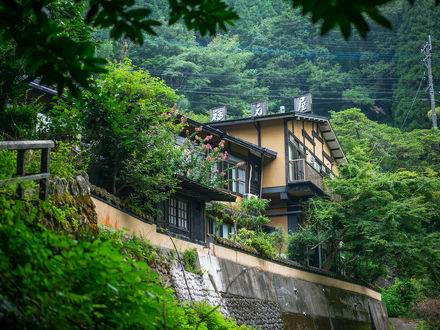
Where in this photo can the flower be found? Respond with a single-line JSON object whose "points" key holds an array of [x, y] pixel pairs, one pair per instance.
{"points": [[209, 137], [187, 132], [240, 164], [221, 144], [197, 137], [199, 129], [225, 156], [216, 149], [208, 146]]}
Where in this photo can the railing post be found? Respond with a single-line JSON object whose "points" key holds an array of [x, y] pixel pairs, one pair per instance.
{"points": [[21, 170], [42, 177], [44, 183]]}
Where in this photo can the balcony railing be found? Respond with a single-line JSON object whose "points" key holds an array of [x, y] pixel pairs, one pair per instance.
{"points": [[300, 170]]}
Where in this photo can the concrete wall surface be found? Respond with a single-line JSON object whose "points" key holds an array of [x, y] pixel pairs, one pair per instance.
{"points": [[268, 300], [257, 291]]}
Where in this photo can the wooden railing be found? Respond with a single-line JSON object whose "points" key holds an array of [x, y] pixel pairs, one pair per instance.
{"points": [[42, 177], [300, 170]]}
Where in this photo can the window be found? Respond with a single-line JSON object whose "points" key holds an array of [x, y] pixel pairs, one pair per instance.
{"points": [[235, 175], [296, 160], [315, 163], [178, 213]]}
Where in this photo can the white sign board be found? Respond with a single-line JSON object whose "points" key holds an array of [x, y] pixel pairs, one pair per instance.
{"points": [[303, 103], [259, 109], [218, 114]]}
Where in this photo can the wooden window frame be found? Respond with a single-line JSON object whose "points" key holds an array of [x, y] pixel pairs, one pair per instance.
{"points": [[178, 213]]}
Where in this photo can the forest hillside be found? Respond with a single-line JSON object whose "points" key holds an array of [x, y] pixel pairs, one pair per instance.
{"points": [[274, 53]]}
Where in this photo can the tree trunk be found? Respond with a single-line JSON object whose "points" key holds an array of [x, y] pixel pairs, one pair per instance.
{"points": [[334, 249], [331, 257]]}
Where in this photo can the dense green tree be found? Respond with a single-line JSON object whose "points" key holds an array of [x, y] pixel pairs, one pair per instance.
{"points": [[40, 41], [380, 220], [417, 22], [417, 150], [130, 135]]}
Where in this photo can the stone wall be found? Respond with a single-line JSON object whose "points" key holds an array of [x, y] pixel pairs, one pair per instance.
{"points": [[261, 314], [266, 300], [73, 197]]}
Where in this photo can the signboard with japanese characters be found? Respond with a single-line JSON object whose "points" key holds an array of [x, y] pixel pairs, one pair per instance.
{"points": [[259, 109], [218, 114], [303, 103]]}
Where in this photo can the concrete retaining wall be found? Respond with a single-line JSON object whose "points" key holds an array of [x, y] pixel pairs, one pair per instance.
{"points": [[260, 292]]}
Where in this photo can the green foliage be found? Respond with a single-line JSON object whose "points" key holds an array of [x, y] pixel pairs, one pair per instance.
{"points": [[67, 159], [251, 213], [63, 281], [302, 244], [247, 214], [344, 14], [130, 133], [248, 219], [416, 150], [202, 314], [260, 241], [63, 121], [423, 16], [279, 239], [20, 118], [55, 279], [8, 163], [378, 220], [42, 33], [51, 37], [401, 296], [190, 260]]}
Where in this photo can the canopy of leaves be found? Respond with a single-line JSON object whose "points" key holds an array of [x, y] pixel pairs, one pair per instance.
{"points": [[130, 133], [378, 220], [36, 33], [416, 150], [55, 279]]}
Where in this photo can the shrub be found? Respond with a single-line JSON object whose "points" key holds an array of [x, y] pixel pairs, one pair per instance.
{"points": [[400, 297], [279, 239], [301, 246], [190, 261], [54, 279], [262, 242]]}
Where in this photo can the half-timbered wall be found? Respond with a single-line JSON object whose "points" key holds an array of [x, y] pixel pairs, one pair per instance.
{"points": [[309, 134]]}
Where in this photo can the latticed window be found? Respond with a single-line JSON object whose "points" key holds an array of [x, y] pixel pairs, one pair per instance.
{"points": [[178, 213], [234, 174]]}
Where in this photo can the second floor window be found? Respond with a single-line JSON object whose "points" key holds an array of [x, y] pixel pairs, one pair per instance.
{"points": [[235, 174]]}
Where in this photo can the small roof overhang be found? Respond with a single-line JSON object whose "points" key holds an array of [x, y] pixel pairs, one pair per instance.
{"points": [[193, 189], [333, 142]]}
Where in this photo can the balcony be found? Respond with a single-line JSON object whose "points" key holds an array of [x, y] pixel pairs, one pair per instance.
{"points": [[300, 171]]}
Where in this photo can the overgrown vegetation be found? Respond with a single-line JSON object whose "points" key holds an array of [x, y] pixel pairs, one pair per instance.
{"points": [[189, 259], [60, 270], [84, 279], [384, 219], [248, 219]]}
